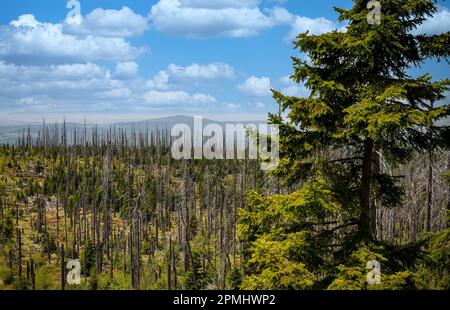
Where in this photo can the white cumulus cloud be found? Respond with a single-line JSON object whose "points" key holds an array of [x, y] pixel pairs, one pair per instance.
{"points": [[229, 18], [64, 86], [254, 86], [302, 24], [126, 70], [437, 24], [155, 97], [201, 18], [173, 75], [219, 4], [232, 106], [29, 41], [109, 23], [290, 88], [27, 74]]}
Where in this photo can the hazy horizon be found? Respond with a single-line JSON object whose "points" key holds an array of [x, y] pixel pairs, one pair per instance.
{"points": [[136, 119]]}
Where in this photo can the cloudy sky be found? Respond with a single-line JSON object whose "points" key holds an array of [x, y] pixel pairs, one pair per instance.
{"points": [[140, 59]]}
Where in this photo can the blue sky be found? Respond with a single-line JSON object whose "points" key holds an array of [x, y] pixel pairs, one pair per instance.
{"points": [[140, 59]]}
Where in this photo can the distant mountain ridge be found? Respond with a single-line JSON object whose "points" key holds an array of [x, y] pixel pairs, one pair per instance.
{"points": [[10, 133]]}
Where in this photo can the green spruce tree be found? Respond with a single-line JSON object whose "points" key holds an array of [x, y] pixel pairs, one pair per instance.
{"points": [[364, 102]]}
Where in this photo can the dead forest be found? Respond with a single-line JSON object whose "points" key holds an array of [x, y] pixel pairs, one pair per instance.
{"points": [[135, 218]]}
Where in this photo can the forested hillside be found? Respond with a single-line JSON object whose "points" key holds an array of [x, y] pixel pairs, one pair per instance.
{"points": [[360, 199], [136, 218]]}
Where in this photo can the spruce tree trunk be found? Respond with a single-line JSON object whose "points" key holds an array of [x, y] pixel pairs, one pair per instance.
{"points": [[366, 224], [63, 269], [19, 254], [169, 267], [429, 192], [57, 217], [32, 275], [447, 223]]}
